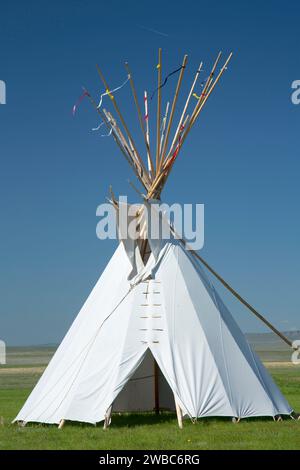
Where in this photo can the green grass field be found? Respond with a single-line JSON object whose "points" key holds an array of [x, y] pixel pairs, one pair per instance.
{"points": [[140, 431]]}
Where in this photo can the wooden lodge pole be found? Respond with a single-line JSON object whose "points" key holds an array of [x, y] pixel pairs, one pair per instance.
{"points": [[159, 65], [205, 94], [145, 174], [241, 299], [172, 112], [124, 146], [201, 102], [150, 161], [163, 127], [212, 87], [109, 126], [185, 108], [202, 97], [147, 130], [228, 286], [164, 174], [163, 150]]}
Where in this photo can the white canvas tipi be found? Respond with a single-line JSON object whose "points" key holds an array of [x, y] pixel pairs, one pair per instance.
{"points": [[170, 309], [154, 333]]}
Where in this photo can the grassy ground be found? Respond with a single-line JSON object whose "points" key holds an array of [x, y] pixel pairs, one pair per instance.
{"points": [[144, 431], [147, 431]]}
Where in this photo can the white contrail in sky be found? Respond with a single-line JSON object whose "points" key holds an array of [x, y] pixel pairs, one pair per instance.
{"points": [[155, 31]]}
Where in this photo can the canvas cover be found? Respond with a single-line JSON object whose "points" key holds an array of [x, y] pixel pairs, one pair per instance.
{"points": [[171, 310]]}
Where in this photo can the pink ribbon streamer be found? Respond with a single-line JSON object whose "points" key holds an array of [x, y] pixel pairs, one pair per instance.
{"points": [[84, 94]]}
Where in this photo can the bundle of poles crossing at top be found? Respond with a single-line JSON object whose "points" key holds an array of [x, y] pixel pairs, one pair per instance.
{"points": [[154, 169]]}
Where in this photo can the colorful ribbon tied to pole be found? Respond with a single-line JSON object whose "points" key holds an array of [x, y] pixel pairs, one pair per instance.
{"points": [[178, 146], [84, 94], [166, 79], [99, 127], [110, 92], [199, 97]]}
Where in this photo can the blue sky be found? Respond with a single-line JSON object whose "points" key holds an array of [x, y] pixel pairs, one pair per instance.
{"points": [[241, 160]]}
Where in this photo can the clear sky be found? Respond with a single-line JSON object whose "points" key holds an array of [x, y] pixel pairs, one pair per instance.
{"points": [[241, 160]]}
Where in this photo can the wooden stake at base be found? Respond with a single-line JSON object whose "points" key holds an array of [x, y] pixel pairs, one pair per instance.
{"points": [[61, 424], [179, 414], [107, 419]]}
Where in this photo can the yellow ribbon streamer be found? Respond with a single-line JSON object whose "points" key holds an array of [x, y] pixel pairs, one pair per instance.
{"points": [[109, 94]]}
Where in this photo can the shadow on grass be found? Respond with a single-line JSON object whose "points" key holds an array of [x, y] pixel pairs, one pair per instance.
{"points": [[141, 419], [119, 420], [132, 420]]}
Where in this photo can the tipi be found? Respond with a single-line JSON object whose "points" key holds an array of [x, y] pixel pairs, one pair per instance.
{"points": [[154, 333]]}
